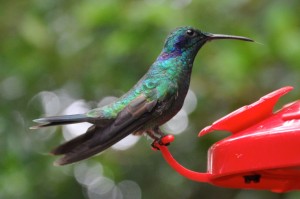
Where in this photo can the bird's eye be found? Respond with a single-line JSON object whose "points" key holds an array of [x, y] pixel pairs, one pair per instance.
{"points": [[190, 32]]}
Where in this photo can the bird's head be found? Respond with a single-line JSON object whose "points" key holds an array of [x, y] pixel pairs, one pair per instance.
{"points": [[189, 39]]}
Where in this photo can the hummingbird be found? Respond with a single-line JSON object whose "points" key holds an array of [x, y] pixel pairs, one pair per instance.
{"points": [[152, 101]]}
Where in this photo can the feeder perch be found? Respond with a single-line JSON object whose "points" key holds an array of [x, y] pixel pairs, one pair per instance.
{"points": [[263, 151]]}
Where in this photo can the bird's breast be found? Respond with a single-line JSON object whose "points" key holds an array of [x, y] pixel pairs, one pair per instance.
{"points": [[176, 104]]}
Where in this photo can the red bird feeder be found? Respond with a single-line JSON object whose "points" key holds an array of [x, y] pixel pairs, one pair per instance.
{"points": [[263, 151]]}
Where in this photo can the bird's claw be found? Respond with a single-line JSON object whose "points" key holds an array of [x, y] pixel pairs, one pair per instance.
{"points": [[162, 141], [154, 146]]}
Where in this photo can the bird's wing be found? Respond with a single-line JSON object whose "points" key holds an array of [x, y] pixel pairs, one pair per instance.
{"points": [[99, 138]]}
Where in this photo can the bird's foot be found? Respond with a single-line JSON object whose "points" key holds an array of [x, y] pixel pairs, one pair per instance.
{"points": [[162, 141]]}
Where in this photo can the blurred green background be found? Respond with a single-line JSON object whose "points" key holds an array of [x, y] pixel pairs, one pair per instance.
{"points": [[57, 55]]}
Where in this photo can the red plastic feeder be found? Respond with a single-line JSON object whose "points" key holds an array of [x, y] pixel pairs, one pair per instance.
{"points": [[263, 151]]}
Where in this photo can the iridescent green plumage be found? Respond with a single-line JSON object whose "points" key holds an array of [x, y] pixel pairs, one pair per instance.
{"points": [[154, 100]]}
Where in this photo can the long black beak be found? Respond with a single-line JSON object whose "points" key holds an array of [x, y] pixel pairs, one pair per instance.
{"points": [[211, 36]]}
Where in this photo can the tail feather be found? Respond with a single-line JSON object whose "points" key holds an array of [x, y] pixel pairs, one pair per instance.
{"points": [[86, 150], [70, 145], [59, 120], [96, 140]]}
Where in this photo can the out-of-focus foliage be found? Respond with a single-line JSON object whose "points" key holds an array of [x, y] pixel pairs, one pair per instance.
{"points": [[53, 53]]}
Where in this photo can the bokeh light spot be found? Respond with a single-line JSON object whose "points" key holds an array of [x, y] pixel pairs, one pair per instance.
{"points": [[106, 100], [126, 142], [50, 102], [178, 123], [130, 189], [190, 102], [73, 130], [12, 88], [85, 174]]}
